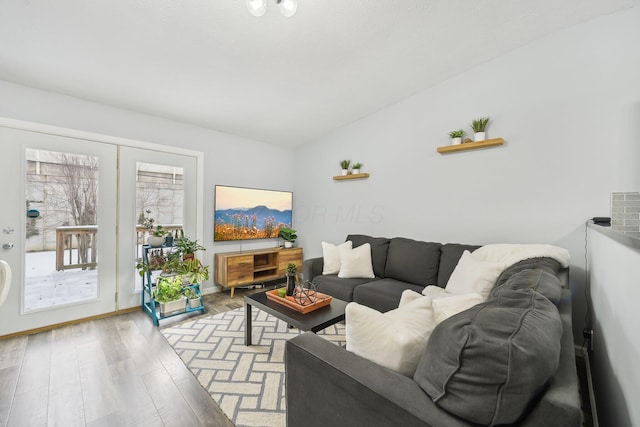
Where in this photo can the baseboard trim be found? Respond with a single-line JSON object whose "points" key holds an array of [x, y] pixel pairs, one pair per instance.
{"points": [[71, 322]]}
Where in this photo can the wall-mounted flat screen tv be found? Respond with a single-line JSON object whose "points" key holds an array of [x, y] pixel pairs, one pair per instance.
{"points": [[250, 213]]}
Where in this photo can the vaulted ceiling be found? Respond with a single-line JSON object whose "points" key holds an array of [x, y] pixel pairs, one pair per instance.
{"points": [[281, 80]]}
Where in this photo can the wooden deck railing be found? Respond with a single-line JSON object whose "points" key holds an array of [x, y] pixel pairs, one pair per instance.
{"points": [[83, 238], [85, 243]]}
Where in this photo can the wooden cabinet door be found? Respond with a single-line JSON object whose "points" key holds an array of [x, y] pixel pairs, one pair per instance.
{"points": [[286, 256]]}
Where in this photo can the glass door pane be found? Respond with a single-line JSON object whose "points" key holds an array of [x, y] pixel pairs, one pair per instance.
{"points": [[61, 258], [159, 202]]}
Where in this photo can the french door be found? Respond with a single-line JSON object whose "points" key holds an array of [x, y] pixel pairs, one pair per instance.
{"points": [[158, 185], [69, 222], [58, 228]]}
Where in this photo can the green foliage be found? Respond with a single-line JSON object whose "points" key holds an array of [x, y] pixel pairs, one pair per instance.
{"points": [[191, 293], [187, 246], [291, 269], [456, 133], [168, 288], [159, 231], [288, 234], [357, 165], [480, 125], [344, 164], [194, 271]]}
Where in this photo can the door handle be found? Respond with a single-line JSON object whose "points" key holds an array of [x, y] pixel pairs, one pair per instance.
{"points": [[7, 246]]}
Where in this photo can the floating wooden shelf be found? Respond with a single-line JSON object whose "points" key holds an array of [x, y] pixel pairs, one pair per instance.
{"points": [[352, 176], [470, 146]]}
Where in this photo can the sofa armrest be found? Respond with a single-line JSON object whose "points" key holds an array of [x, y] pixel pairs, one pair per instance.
{"points": [[312, 267], [560, 404], [329, 386]]}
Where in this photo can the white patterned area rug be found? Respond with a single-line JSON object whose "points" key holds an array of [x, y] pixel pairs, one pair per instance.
{"points": [[246, 382]]}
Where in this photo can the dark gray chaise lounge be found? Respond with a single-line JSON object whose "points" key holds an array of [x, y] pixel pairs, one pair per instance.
{"points": [[329, 386]]}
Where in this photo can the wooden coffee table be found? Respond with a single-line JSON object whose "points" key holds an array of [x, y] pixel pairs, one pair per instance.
{"points": [[315, 321]]}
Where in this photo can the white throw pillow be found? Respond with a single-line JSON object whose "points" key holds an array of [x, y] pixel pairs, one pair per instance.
{"points": [[472, 275], [331, 256], [395, 339], [356, 262], [434, 292], [447, 306]]}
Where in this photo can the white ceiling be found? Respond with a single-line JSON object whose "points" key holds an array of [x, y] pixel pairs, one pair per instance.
{"points": [[281, 80]]}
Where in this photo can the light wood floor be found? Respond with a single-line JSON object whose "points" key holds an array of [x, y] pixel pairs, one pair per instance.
{"points": [[117, 371]]}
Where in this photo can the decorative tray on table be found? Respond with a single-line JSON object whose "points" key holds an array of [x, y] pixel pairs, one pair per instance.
{"points": [[321, 300]]}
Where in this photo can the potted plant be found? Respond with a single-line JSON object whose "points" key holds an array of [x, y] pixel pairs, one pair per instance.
{"points": [[456, 136], [157, 236], [188, 247], [291, 278], [156, 261], [345, 166], [288, 235], [479, 127], [356, 167], [172, 264], [193, 297], [194, 271], [169, 294]]}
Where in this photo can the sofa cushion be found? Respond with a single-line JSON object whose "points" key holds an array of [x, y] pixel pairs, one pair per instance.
{"points": [[356, 262], [450, 254], [537, 279], [474, 275], [413, 261], [331, 257], [488, 363], [447, 306], [383, 294], [339, 288], [395, 339], [544, 263], [379, 247]]}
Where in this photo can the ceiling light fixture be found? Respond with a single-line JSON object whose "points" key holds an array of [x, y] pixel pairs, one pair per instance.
{"points": [[259, 7]]}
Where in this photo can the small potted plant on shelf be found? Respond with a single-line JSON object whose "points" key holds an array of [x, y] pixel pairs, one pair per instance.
{"points": [[156, 237], [291, 278], [188, 247], [344, 164], [193, 298], [288, 235], [194, 271], [356, 167], [456, 136], [169, 294], [479, 127], [156, 261]]}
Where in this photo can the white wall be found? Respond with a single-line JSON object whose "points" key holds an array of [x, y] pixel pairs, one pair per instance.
{"points": [[568, 108], [614, 271], [229, 159]]}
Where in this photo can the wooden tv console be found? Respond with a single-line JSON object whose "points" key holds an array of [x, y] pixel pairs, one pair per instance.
{"points": [[248, 267]]}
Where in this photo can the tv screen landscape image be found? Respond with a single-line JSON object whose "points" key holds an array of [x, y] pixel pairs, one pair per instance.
{"points": [[250, 213]]}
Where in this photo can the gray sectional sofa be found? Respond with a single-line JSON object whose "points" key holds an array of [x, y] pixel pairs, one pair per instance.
{"points": [[508, 361], [398, 264]]}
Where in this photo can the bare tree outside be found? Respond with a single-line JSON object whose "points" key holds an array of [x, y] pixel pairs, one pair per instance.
{"points": [[77, 190]]}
